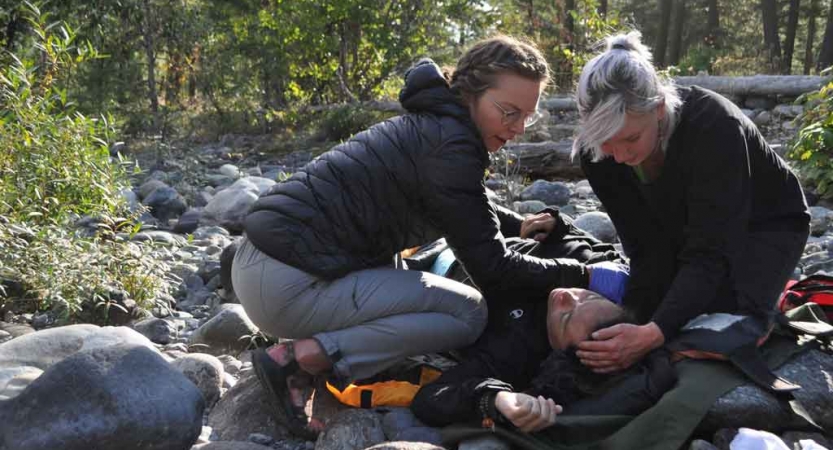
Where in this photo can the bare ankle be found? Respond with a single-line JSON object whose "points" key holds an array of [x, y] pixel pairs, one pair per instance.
{"points": [[311, 357]]}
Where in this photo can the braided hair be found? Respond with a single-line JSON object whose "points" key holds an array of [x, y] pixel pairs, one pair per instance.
{"points": [[485, 60]]}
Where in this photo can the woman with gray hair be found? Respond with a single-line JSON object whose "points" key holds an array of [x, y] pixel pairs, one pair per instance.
{"points": [[710, 216]]}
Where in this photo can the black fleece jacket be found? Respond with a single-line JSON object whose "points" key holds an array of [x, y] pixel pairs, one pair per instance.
{"points": [[688, 231], [402, 183]]}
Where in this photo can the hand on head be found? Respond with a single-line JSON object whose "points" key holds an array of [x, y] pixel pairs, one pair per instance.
{"points": [[619, 346]]}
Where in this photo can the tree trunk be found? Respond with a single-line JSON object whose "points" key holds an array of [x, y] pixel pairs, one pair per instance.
{"points": [[150, 53], [786, 85], [662, 35], [811, 36], [602, 8], [769, 15], [713, 36], [826, 53], [677, 36], [789, 38]]}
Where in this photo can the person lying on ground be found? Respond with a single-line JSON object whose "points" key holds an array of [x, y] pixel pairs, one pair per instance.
{"points": [[523, 371], [316, 262]]}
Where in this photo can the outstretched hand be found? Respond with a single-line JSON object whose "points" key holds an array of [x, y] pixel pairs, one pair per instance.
{"points": [[619, 347], [537, 226], [526, 412]]}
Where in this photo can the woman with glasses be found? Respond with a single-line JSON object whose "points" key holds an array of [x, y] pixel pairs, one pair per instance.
{"points": [[710, 216], [317, 263]]}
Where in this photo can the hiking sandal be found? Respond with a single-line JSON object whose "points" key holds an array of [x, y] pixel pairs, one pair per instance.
{"points": [[276, 379]]}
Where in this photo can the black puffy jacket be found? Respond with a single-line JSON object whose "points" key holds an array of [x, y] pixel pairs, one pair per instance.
{"points": [[401, 183]]}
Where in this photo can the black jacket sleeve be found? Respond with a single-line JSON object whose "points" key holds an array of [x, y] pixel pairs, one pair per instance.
{"points": [[500, 361], [456, 202], [510, 221]]}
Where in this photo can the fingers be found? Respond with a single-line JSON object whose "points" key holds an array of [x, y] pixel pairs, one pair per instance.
{"points": [[536, 225], [542, 414], [610, 332]]}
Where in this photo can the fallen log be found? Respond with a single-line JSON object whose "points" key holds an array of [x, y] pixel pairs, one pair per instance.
{"points": [[549, 159], [764, 85]]}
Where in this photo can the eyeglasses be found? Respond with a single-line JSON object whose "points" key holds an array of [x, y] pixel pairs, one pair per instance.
{"points": [[511, 117]]}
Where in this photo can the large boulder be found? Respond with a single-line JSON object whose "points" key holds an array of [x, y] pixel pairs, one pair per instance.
{"points": [[352, 429], [25, 358], [226, 332], [549, 192], [750, 406], [597, 224], [113, 397]]}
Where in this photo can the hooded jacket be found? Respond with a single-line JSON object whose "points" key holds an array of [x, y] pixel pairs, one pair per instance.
{"points": [[401, 183]]}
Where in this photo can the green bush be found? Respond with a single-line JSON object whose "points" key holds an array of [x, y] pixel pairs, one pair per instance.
{"points": [[53, 160], [54, 166], [75, 277], [812, 149]]}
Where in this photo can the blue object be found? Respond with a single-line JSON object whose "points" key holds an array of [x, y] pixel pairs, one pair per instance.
{"points": [[609, 279], [443, 262]]}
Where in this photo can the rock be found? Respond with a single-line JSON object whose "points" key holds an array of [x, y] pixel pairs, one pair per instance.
{"points": [[226, 259], [24, 358], [528, 206], [229, 170], [105, 398], [162, 237], [205, 371], [484, 443], [16, 329], [229, 207], [223, 333], [157, 330], [699, 444], [762, 118], [756, 102], [405, 445], [165, 203], [751, 407], [789, 111], [400, 424], [149, 186], [231, 445], [793, 438], [597, 224], [130, 198], [723, 438], [748, 112], [352, 429], [549, 192], [208, 269], [820, 218], [262, 184], [246, 408], [188, 221]]}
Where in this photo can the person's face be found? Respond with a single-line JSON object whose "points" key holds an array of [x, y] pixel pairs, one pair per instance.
{"points": [[500, 111], [573, 314], [637, 140]]}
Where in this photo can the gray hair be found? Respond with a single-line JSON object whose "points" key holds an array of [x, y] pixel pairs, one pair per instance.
{"points": [[620, 80]]}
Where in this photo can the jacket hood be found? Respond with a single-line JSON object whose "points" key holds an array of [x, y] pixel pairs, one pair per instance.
{"points": [[426, 90]]}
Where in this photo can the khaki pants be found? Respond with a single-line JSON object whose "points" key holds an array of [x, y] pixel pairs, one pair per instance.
{"points": [[367, 320]]}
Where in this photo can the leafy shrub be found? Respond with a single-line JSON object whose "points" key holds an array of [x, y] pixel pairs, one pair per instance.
{"points": [[53, 160], [812, 149], [73, 276]]}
